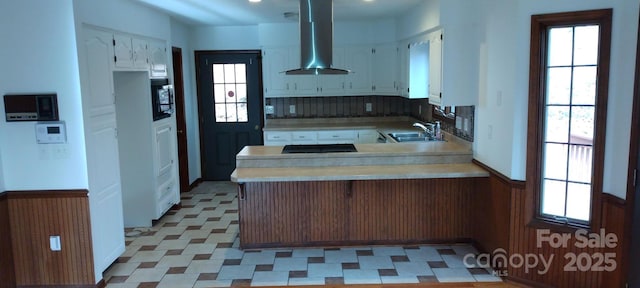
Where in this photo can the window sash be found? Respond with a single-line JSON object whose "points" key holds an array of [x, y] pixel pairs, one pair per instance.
{"points": [[538, 105]]}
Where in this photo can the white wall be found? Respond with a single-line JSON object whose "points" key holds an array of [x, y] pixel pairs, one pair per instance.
{"points": [[38, 55], [422, 19], [496, 118], [181, 36], [1, 173], [226, 38], [125, 16], [500, 138]]}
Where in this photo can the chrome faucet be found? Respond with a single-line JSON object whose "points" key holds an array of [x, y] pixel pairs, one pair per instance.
{"points": [[428, 128]]}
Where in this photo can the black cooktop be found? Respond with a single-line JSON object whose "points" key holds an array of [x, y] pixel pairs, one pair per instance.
{"points": [[319, 148]]}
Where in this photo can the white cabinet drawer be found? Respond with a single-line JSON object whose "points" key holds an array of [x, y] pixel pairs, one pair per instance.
{"points": [[337, 135], [304, 136], [165, 197], [277, 136]]}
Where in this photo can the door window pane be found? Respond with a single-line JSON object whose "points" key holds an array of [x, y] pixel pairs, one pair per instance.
{"points": [[555, 164], [218, 74], [580, 162], [582, 119], [584, 85], [586, 45], [218, 92], [579, 195], [559, 85], [557, 124], [560, 46], [230, 92], [553, 197]]}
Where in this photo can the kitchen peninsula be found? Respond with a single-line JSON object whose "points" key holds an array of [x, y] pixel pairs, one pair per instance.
{"points": [[399, 193]]}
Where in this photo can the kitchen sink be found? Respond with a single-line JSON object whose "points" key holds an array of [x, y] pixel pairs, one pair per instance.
{"points": [[411, 137]]}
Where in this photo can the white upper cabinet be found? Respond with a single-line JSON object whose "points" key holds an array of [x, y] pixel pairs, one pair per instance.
{"points": [[403, 70], [157, 59], [130, 52], [358, 61], [275, 62], [277, 84], [385, 59], [136, 54], [419, 70], [140, 57], [435, 68], [333, 85], [123, 51]]}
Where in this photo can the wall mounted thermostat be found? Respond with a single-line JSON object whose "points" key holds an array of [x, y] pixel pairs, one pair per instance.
{"points": [[51, 132]]}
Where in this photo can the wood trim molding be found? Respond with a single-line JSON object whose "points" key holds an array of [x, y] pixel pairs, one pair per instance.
{"points": [[195, 184], [7, 270], [517, 184], [47, 194], [535, 125], [614, 200]]}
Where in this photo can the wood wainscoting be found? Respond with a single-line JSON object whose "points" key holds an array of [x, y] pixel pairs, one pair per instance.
{"points": [[327, 213], [7, 273], [34, 216], [522, 238]]}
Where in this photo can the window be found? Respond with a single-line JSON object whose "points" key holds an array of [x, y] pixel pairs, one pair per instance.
{"points": [[230, 92], [567, 115]]}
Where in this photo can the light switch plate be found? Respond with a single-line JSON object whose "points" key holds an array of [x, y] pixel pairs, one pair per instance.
{"points": [[292, 109], [368, 107], [54, 243], [269, 109]]}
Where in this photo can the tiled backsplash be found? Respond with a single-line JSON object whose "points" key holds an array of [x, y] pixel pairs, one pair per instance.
{"points": [[355, 106]]}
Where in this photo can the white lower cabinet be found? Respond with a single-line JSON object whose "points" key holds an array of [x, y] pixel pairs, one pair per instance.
{"points": [[337, 137], [277, 138], [281, 138], [304, 137]]}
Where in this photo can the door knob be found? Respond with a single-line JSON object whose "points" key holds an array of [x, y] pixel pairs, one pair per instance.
{"points": [[257, 127], [180, 131]]}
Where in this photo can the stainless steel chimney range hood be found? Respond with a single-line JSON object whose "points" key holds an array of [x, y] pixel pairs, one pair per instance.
{"points": [[316, 39]]}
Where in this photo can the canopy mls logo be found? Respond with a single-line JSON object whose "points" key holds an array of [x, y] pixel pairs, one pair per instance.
{"points": [[501, 261]]}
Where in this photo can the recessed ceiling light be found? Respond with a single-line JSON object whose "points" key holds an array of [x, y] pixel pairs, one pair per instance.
{"points": [[255, 1]]}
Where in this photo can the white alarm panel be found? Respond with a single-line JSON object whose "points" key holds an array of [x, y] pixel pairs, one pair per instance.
{"points": [[51, 132]]}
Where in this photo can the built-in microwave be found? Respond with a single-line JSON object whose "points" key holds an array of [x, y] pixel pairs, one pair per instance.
{"points": [[161, 98]]}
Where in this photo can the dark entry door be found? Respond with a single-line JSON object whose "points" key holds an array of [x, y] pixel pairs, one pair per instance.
{"points": [[634, 276], [230, 101]]}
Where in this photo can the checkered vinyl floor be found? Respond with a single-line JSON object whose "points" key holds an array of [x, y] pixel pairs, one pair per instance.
{"points": [[197, 246]]}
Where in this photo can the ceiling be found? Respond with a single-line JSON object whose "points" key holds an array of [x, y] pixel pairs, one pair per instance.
{"points": [[243, 12]]}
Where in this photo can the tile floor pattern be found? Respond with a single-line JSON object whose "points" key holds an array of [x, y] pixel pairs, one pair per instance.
{"points": [[197, 246]]}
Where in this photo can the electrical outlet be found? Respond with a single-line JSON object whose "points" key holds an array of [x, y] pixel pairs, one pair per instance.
{"points": [[490, 134], [292, 109], [269, 109], [368, 107], [499, 98], [54, 243]]}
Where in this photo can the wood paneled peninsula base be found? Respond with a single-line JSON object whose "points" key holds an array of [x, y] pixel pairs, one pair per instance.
{"points": [[399, 193]]}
